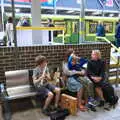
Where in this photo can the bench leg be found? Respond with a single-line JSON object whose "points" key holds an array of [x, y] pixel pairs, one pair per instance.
{"points": [[7, 110]]}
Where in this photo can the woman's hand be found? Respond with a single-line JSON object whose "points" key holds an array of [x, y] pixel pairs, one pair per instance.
{"points": [[82, 72]]}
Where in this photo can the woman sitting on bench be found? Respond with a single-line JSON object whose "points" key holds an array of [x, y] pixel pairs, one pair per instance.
{"points": [[73, 84]]}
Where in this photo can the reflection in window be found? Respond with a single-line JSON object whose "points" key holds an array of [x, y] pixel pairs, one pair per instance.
{"points": [[92, 26], [108, 27]]}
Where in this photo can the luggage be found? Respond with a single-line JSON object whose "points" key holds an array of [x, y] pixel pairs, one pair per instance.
{"points": [[108, 93], [59, 115], [70, 103]]}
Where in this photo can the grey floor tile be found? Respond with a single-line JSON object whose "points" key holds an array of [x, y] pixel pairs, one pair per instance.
{"points": [[101, 114]]}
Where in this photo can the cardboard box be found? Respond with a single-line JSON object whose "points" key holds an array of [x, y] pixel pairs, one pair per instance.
{"points": [[70, 103]]}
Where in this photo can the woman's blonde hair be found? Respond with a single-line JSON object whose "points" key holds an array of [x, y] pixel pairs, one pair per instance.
{"points": [[98, 53]]}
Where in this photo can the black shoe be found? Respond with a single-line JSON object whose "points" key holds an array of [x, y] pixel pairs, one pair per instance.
{"points": [[101, 104], [46, 112], [93, 109]]}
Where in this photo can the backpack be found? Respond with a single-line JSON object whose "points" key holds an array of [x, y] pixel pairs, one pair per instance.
{"points": [[108, 93], [59, 114]]}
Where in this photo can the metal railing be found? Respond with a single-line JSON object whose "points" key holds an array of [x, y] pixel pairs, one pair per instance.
{"points": [[30, 36]]}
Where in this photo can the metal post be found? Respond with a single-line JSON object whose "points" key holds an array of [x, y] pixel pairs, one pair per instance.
{"points": [[36, 13], [2, 11], [117, 72], [103, 9], [15, 37], [82, 22], [54, 5], [36, 21], [14, 23]]}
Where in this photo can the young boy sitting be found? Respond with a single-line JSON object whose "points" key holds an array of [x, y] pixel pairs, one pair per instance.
{"points": [[40, 79], [76, 63]]}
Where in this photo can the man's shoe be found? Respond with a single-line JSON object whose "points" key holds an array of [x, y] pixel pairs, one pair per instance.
{"points": [[101, 104]]}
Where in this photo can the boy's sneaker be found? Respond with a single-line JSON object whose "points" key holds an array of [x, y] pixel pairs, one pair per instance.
{"points": [[92, 101], [91, 107], [46, 112]]}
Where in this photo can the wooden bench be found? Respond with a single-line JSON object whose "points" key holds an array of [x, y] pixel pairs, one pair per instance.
{"points": [[18, 85]]}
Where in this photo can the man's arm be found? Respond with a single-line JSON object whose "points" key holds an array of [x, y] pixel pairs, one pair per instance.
{"points": [[102, 70], [101, 74], [89, 69]]}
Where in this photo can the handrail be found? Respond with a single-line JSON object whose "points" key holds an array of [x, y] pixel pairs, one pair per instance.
{"points": [[40, 28], [104, 38], [32, 28], [118, 50]]}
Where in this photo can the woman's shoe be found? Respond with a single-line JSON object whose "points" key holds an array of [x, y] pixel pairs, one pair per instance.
{"points": [[101, 103], [82, 108]]}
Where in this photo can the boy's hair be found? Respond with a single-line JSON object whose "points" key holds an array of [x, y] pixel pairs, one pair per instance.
{"points": [[40, 59], [68, 53]]}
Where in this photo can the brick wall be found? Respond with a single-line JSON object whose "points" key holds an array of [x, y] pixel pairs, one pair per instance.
{"points": [[23, 57]]}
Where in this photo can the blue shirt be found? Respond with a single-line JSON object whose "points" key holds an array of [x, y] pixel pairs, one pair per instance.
{"points": [[100, 30], [117, 32]]}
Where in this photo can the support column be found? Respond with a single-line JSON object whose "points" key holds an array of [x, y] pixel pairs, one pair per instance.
{"points": [[55, 10], [2, 11], [36, 21], [14, 22], [36, 13], [82, 22]]}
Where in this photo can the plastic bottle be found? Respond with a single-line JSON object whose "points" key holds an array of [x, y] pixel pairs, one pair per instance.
{"points": [[2, 87]]}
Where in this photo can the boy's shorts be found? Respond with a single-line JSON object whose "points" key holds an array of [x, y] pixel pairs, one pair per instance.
{"points": [[44, 90]]}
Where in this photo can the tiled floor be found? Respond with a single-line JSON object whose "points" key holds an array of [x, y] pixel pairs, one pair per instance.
{"points": [[33, 113], [101, 114]]}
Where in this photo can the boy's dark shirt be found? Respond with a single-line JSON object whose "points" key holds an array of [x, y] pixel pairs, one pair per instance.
{"points": [[96, 68]]}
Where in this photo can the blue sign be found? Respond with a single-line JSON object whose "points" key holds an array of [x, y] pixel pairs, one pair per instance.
{"points": [[68, 3], [24, 2]]}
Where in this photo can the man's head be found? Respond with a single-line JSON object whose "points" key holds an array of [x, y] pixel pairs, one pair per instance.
{"points": [[41, 60], [10, 20], [95, 55], [50, 20], [100, 23]]}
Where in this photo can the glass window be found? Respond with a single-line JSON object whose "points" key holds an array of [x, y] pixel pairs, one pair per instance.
{"points": [[108, 27], [92, 26]]}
